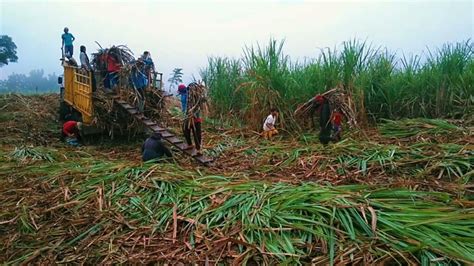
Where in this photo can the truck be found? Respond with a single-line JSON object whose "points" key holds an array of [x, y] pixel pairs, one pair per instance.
{"points": [[77, 103]]}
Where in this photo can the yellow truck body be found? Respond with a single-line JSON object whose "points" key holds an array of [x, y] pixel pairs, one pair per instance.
{"points": [[78, 91]]}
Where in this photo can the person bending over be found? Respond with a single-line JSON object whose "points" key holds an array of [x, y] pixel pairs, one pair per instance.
{"points": [[269, 129], [70, 132], [153, 148]]}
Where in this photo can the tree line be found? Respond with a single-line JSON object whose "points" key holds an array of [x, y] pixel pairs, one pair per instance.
{"points": [[35, 82]]}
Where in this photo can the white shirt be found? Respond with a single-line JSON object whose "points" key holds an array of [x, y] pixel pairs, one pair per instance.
{"points": [[270, 120], [84, 61]]}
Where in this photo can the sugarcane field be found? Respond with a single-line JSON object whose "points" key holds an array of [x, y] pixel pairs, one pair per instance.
{"points": [[355, 154]]}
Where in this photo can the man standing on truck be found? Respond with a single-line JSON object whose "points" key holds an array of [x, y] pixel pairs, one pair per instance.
{"points": [[139, 82], [149, 66], [113, 69], [85, 63], [67, 47], [71, 133]]}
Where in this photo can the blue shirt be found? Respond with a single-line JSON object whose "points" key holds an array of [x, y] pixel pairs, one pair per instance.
{"points": [[184, 104], [184, 101], [139, 80], [68, 39]]}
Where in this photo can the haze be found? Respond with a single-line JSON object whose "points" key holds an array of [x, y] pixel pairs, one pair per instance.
{"points": [[185, 33]]}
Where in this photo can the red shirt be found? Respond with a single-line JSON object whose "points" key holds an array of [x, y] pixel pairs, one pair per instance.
{"points": [[337, 118], [70, 127], [112, 64]]}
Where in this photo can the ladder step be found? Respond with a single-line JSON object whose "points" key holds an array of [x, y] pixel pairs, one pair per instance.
{"points": [[166, 134], [132, 111], [148, 122], [184, 147], [121, 101], [203, 159], [157, 128], [127, 106], [175, 140], [141, 117]]}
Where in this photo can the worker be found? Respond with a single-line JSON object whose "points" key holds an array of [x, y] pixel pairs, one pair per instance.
{"points": [[71, 132], [85, 63], [324, 110], [192, 122], [269, 129], [149, 66], [336, 121], [153, 148], [67, 40], [113, 69], [139, 82]]}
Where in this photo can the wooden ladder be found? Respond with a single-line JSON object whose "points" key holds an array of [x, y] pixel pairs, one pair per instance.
{"points": [[165, 133]]}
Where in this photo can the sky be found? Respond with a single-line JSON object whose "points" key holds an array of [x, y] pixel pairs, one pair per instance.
{"points": [[185, 33]]}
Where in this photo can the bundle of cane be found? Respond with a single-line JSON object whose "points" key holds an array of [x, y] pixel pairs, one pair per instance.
{"points": [[338, 100], [121, 53], [197, 99]]}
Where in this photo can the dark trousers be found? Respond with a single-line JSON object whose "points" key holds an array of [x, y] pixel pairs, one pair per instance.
{"points": [[68, 50], [195, 128]]}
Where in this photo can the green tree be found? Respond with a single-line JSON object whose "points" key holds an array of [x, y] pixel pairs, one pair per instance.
{"points": [[176, 77], [7, 50]]}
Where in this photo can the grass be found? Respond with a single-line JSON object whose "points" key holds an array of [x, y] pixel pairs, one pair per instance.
{"points": [[384, 86]]}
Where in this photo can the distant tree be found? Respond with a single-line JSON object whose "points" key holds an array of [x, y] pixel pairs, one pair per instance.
{"points": [[7, 50], [176, 77], [35, 82]]}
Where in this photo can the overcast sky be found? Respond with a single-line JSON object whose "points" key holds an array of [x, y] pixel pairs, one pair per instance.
{"points": [[185, 33]]}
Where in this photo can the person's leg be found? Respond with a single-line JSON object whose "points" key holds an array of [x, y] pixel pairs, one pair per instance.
{"points": [[113, 80], [107, 81], [271, 133], [197, 135], [141, 100], [187, 132], [68, 50]]}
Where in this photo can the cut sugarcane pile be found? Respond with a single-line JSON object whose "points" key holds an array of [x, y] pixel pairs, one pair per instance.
{"points": [[338, 99], [292, 200], [149, 213]]}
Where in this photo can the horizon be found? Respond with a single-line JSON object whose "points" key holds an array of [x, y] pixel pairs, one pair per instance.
{"points": [[225, 28]]}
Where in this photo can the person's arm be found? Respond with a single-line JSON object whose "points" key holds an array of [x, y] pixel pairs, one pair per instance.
{"points": [[62, 38], [73, 38], [143, 147]]}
